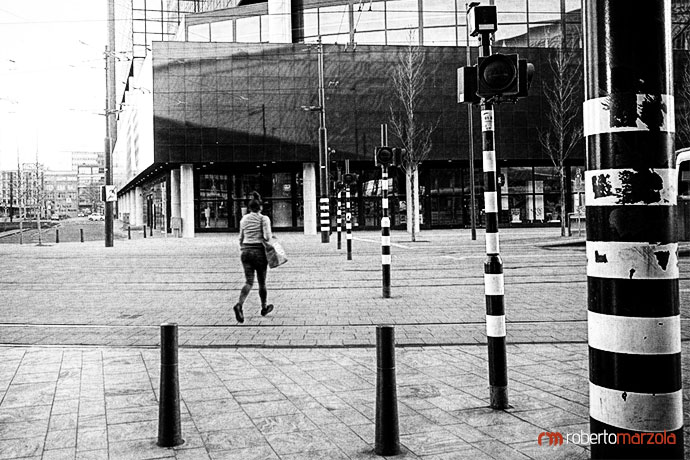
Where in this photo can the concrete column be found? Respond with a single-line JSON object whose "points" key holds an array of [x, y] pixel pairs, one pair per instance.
{"points": [[175, 210], [187, 200], [129, 207], [138, 206], [279, 21], [309, 196]]}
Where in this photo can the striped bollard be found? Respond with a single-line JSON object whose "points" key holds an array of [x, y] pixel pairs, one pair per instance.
{"points": [[493, 270], [348, 222], [385, 235], [339, 218], [325, 220], [633, 318]]}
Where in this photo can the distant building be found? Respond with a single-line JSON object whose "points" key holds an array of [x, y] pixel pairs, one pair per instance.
{"points": [[61, 193], [88, 159]]}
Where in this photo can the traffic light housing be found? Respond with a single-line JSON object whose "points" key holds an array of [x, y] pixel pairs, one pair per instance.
{"points": [[497, 75], [349, 178], [384, 156], [525, 75], [467, 85]]}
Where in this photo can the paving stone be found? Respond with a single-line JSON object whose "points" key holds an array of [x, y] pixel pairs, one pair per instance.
{"points": [[254, 397]]}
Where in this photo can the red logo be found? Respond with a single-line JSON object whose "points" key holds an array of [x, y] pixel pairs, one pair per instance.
{"points": [[555, 438]]}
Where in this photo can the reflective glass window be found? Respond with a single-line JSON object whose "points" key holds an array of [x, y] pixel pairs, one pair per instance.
{"points": [[544, 11], [577, 188], [573, 5], [516, 33], [402, 14], [342, 38], [212, 208], [403, 37], [440, 36], [198, 33], [438, 12], [311, 22], [264, 28], [462, 37], [371, 38], [248, 29], [334, 20], [222, 31], [371, 17], [511, 11]]}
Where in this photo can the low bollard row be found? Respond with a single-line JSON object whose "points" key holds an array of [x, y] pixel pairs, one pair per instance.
{"points": [[387, 433]]}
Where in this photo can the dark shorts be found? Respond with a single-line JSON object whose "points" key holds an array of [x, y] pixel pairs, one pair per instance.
{"points": [[254, 259]]}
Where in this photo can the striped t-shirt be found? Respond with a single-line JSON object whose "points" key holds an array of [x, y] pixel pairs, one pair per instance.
{"points": [[255, 228]]}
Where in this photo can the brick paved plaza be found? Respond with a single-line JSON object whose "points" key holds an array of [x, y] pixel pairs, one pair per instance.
{"points": [[79, 338]]}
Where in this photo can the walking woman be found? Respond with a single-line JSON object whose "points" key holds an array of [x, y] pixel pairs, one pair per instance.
{"points": [[255, 228]]}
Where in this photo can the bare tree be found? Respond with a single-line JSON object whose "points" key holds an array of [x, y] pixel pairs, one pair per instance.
{"points": [[409, 77], [563, 96]]}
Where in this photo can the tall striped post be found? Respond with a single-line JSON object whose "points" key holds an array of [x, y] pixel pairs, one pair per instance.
{"points": [[635, 384], [385, 235], [348, 222], [493, 270], [493, 265], [325, 220], [339, 217]]}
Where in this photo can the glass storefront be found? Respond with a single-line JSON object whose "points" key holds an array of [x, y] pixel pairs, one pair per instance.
{"points": [[528, 195], [218, 209]]}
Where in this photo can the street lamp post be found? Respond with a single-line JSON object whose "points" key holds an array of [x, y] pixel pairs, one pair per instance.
{"points": [[470, 129], [324, 202]]}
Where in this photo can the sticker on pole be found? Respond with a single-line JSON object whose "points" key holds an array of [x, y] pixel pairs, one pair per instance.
{"points": [[487, 120], [108, 193]]}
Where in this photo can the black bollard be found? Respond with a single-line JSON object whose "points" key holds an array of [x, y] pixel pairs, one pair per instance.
{"points": [[387, 432], [81, 235], [144, 231], [169, 426], [57, 236], [129, 233]]}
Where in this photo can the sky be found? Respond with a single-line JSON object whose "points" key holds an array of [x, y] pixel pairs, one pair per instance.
{"points": [[52, 80]]}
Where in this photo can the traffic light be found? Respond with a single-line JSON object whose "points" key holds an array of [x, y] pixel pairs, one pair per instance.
{"points": [[497, 75], [349, 179], [384, 156]]}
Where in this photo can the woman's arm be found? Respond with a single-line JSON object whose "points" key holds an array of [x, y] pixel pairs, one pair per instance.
{"points": [[266, 223]]}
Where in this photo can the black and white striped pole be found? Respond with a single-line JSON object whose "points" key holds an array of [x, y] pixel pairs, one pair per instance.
{"points": [[324, 219], [493, 265], [385, 235], [384, 158], [348, 179], [632, 251], [339, 214]]}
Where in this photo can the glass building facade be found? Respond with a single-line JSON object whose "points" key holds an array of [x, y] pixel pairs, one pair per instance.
{"points": [[228, 100]]}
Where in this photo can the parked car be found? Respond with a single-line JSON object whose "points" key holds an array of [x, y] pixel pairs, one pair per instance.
{"points": [[55, 217], [95, 216], [81, 214]]}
